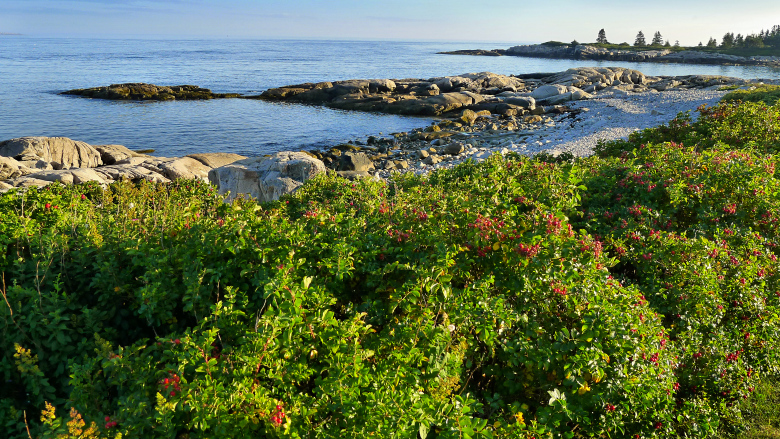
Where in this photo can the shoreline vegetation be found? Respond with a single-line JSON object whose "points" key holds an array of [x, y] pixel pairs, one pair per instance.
{"points": [[631, 293]]}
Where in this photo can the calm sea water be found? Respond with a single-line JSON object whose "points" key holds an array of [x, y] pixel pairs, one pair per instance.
{"points": [[34, 70]]}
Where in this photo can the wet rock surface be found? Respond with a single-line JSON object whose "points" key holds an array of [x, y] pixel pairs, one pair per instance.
{"points": [[148, 92]]}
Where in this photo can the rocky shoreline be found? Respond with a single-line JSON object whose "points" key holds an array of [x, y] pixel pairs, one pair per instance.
{"points": [[478, 114], [587, 52]]}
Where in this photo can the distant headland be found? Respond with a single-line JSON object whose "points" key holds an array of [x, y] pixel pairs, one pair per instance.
{"points": [[595, 52], [755, 49]]}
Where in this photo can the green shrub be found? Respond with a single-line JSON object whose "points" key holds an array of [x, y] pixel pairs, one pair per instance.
{"points": [[767, 94], [631, 294], [735, 124]]}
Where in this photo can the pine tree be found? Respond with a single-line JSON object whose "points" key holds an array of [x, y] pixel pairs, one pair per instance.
{"points": [[602, 38], [712, 42], [667, 44], [739, 40], [658, 40], [676, 43], [640, 40], [728, 41]]}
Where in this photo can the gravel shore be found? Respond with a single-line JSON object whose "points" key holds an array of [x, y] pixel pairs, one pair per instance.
{"points": [[614, 117], [606, 117]]}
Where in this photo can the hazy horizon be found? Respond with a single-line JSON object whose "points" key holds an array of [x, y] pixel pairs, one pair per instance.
{"points": [[402, 20]]}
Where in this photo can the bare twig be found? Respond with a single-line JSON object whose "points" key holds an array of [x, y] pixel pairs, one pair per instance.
{"points": [[27, 426]]}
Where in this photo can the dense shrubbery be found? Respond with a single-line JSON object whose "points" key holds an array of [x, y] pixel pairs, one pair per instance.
{"points": [[768, 94], [634, 293]]}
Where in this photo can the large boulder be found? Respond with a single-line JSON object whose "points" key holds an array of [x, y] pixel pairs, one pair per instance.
{"points": [[526, 102], [185, 168], [9, 168], [381, 86], [355, 161], [111, 154], [266, 178], [61, 152], [548, 91]]}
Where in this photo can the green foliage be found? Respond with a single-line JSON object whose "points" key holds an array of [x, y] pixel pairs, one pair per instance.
{"points": [[768, 94], [763, 412], [640, 40], [739, 125], [635, 293]]}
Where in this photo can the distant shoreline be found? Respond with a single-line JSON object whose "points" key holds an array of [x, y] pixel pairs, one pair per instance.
{"points": [[8, 34], [589, 52]]}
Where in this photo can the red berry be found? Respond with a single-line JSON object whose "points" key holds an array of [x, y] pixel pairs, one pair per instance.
{"points": [[108, 418], [48, 206], [177, 341]]}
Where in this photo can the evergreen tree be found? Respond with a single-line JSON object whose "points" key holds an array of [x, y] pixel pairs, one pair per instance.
{"points": [[658, 40], [774, 37], [753, 41], [574, 43], [640, 40], [700, 44], [739, 40], [676, 43], [712, 42], [728, 41], [667, 44], [602, 38]]}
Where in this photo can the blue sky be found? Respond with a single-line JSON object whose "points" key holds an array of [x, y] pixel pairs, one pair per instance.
{"points": [[453, 20]]}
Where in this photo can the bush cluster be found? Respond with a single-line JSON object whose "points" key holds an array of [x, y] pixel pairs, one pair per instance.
{"points": [[631, 294]]}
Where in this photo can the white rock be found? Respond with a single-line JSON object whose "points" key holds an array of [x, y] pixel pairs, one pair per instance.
{"points": [[266, 178]]}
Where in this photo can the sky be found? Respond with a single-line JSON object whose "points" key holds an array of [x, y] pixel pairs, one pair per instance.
{"points": [[515, 21]]}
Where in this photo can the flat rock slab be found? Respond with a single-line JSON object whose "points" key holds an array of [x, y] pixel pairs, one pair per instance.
{"points": [[148, 92], [217, 159]]}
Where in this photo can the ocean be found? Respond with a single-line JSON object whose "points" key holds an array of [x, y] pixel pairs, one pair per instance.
{"points": [[34, 70]]}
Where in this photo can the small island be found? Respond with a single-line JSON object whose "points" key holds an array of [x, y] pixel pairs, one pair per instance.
{"points": [[148, 92]]}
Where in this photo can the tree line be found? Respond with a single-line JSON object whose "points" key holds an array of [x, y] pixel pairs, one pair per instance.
{"points": [[765, 38], [640, 41]]}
